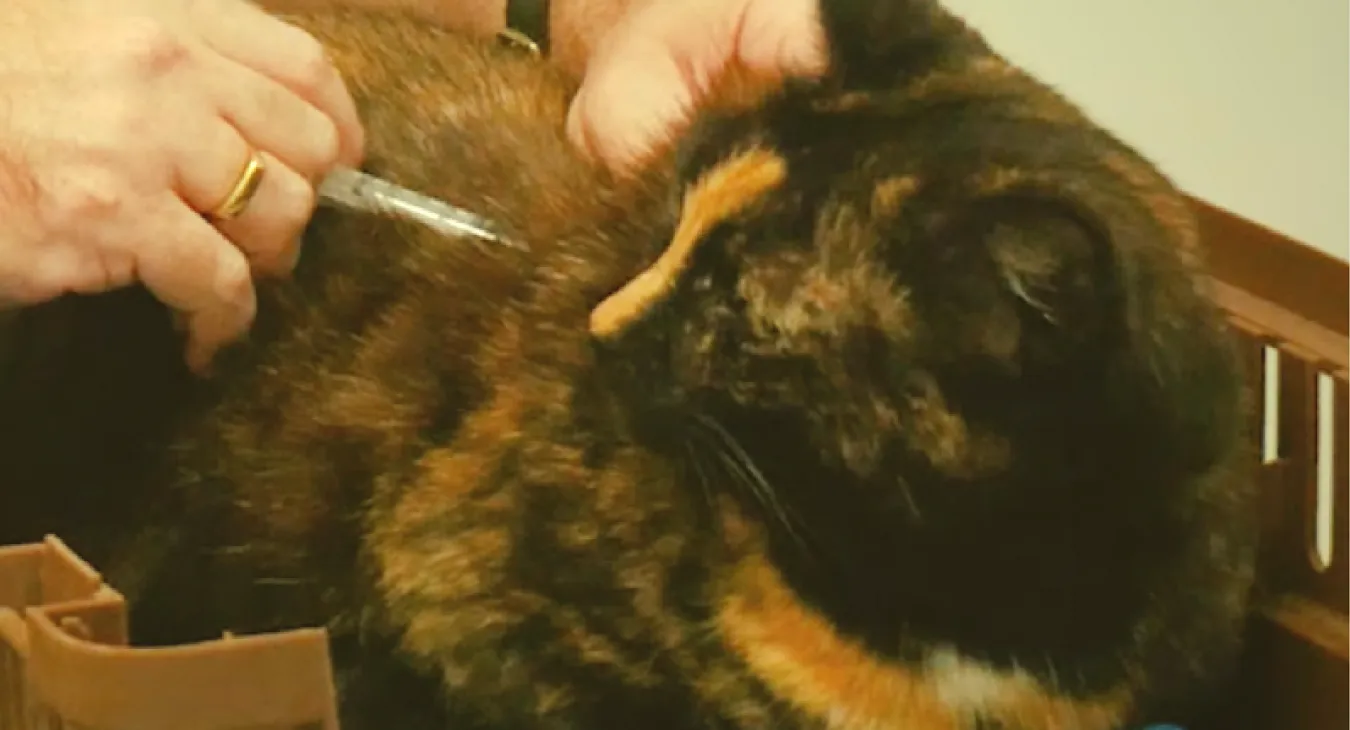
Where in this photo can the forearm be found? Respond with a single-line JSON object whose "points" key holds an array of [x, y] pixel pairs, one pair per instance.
{"points": [[575, 26]]}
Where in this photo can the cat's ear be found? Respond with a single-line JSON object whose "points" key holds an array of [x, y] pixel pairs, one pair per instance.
{"points": [[1055, 273], [722, 192], [1125, 313], [877, 44]]}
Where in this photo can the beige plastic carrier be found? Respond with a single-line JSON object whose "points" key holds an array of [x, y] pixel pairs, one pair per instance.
{"points": [[65, 663]]}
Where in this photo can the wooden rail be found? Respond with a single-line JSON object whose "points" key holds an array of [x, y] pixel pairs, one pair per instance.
{"points": [[1289, 306]]}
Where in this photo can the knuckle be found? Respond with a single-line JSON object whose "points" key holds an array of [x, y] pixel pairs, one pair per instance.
{"points": [[120, 268], [244, 312], [286, 256], [146, 46], [301, 199], [279, 255], [83, 199], [293, 207], [313, 68], [326, 147], [234, 282], [297, 205]]}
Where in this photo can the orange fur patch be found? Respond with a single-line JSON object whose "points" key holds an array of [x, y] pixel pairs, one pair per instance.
{"points": [[845, 102], [891, 193], [951, 445], [980, 74], [988, 76], [800, 657], [996, 180], [722, 192]]}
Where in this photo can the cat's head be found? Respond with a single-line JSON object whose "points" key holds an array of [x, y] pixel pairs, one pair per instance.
{"points": [[905, 318]]}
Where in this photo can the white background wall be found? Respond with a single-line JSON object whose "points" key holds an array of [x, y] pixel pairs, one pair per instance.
{"points": [[1245, 103]]}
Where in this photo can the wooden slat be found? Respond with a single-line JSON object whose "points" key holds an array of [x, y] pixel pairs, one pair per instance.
{"points": [[1303, 336], [1290, 560], [1311, 622], [1329, 586], [1299, 685], [1340, 568], [1296, 671], [1275, 268]]}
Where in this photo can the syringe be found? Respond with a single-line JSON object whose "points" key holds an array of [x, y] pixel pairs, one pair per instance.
{"points": [[356, 190]]}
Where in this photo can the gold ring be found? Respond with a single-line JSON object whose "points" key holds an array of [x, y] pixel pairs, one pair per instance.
{"points": [[515, 39], [243, 191]]}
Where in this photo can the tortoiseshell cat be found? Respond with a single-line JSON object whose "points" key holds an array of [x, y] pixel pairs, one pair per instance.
{"points": [[892, 400]]}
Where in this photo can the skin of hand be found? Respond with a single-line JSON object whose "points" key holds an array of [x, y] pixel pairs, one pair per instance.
{"points": [[122, 122], [653, 68]]}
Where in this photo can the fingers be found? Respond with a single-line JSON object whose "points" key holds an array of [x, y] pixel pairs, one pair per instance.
{"points": [[653, 70], [190, 267], [209, 160], [268, 228], [647, 76], [783, 37], [85, 271], [274, 84], [292, 59], [46, 274], [275, 93], [272, 118], [627, 106]]}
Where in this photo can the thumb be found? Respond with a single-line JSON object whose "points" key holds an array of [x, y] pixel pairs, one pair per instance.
{"points": [[630, 104], [659, 63]]}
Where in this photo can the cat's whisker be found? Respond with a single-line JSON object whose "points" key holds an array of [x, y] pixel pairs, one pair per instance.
{"points": [[761, 492], [910, 503], [745, 464], [1053, 679], [740, 466], [279, 581], [696, 464]]}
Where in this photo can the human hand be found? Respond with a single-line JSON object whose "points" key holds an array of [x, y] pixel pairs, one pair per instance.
{"points": [[653, 69], [123, 123]]}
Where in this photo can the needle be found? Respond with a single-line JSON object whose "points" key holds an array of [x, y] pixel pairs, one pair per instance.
{"points": [[348, 188]]}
